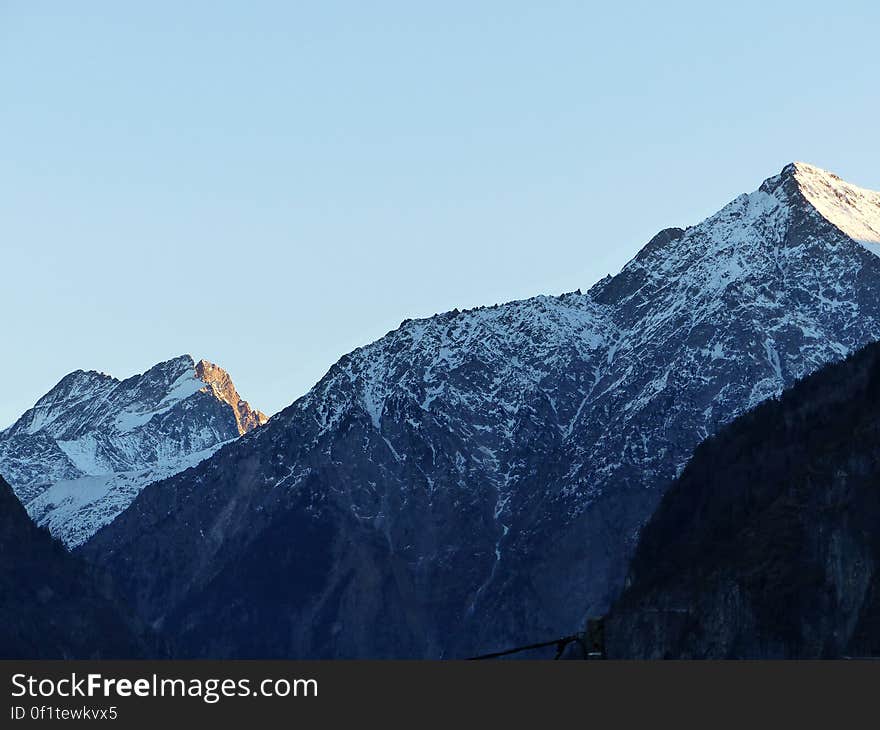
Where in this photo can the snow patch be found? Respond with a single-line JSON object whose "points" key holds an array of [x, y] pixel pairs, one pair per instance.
{"points": [[852, 209]]}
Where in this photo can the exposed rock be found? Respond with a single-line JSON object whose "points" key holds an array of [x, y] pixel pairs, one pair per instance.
{"points": [[221, 384]]}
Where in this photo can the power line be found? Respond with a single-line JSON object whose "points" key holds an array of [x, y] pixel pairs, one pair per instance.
{"points": [[559, 643]]}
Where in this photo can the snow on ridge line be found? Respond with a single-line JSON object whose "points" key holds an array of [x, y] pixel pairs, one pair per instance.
{"points": [[745, 221], [438, 344], [854, 210], [184, 386]]}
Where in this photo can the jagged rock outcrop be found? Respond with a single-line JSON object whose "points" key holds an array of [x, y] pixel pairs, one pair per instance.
{"points": [[246, 418], [478, 478], [84, 451]]}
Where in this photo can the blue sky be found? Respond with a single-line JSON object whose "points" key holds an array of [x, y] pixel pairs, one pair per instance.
{"points": [[269, 185]]}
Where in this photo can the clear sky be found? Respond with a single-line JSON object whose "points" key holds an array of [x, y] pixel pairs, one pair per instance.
{"points": [[271, 184]]}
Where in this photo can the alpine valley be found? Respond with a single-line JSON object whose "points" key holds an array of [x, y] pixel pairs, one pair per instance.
{"points": [[471, 481]]}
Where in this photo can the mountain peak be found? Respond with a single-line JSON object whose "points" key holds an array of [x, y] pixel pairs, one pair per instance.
{"points": [[218, 380], [799, 167], [173, 366], [82, 453], [853, 210]]}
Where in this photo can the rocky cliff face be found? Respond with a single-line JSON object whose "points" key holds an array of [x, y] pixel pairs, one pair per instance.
{"points": [[50, 607], [766, 546], [221, 385], [84, 451], [481, 476]]}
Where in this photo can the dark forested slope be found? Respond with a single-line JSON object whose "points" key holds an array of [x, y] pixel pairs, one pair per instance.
{"points": [[50, 608], [768, 545]]}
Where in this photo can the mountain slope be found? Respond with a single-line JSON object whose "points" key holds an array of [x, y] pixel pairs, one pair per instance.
{"points": [[767, 546], [506, 457], [50, 608], [82, 453]]}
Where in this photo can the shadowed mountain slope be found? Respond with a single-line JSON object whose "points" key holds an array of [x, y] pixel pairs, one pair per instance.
{"points": [[50, 606], [767, 546]]}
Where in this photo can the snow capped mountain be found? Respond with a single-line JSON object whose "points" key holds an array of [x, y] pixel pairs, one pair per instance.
{"points": [[86, 448], [482, 475]]}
